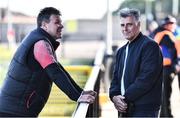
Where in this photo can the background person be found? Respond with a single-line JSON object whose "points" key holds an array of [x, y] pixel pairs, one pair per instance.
{"points": [[165, 38], [137, 79], [151, 27], [33, 69]]}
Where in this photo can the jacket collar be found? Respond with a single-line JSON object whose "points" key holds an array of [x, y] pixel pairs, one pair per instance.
{"points": [[138, 37], [53, 41]]}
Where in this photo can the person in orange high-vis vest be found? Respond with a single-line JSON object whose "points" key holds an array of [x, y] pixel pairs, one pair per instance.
{"points": [[164, 36], [164, 47]]}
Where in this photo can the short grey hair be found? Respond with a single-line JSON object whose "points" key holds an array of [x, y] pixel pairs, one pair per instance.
{"points": [[126, 12]]}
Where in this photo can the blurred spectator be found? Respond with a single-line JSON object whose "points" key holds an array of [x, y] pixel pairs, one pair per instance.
{"points": [[152, 26], [164, 36]]}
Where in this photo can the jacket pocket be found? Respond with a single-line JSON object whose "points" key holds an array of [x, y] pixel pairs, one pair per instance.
{"points": [[30, 99], [34, 102]]}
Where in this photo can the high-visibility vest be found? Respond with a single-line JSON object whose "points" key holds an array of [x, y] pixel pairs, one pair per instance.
{"points": [[177, 45], [158, 37]]}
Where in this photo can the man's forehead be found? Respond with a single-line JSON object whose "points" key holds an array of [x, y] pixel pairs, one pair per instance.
{"points": [[127, 20], [55, 17]]}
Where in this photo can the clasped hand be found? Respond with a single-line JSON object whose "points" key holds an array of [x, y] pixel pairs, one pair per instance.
{"points": [[119, 103], [87, 97]]}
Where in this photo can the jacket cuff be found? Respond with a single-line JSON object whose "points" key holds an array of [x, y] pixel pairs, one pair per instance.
{"points": [[112, 95]]}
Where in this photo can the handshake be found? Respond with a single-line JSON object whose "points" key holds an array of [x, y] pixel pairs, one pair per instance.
{"points": [[87, 97]]}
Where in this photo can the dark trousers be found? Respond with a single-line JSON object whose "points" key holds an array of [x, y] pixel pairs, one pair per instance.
{"points": [[2, 114], [166, 94], [140, 113], [8, 115], [132, 111], [179, 80]]}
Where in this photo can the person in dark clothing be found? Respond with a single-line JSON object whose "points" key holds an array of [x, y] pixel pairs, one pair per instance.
{"points": [[137, 79], [165, 38], [33, 69]]}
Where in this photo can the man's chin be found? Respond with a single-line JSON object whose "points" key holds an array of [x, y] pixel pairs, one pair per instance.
{"points": [[126, 37], [58, 37]]}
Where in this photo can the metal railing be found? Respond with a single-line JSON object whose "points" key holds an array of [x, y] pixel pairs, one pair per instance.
{"points": [[93, 83]]}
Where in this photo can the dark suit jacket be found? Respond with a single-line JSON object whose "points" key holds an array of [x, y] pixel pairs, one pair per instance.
{"points": [[143, 74]]}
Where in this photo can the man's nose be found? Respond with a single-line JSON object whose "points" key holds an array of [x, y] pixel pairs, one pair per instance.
{"points": [[61, 26], [125, 28]]}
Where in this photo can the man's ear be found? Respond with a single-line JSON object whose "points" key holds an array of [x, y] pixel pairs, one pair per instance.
{"points": [[43, 25]]}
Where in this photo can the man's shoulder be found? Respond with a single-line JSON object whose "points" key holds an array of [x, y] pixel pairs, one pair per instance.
{"points": [[149, 41], [122, 47], [42, 41], [147, 38]]}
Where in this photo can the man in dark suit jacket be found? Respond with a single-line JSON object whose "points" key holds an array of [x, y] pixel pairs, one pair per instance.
{"points": [[137, 79]]}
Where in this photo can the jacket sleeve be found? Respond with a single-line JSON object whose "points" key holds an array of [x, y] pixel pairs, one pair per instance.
{"points": [[63, 80], [44, 55], [150, 70], [70, 78], [114, 87]]}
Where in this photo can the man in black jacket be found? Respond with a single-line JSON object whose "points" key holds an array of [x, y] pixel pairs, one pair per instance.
{"points": [[33, 69], [137, 79]]}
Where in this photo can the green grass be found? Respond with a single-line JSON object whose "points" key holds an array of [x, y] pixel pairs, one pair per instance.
{"points": [[5, 56], [3, 70], [6, 53]]}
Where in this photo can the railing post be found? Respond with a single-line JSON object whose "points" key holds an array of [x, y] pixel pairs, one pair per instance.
{"points": [[84, 109], [94, 109]]}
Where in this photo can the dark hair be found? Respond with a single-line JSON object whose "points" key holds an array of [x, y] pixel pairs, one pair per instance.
{"points": [[125, 12], [45, 14]]}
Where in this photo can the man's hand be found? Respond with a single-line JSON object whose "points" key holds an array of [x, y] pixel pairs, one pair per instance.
{"points": [[87, 97], [119, 103]]}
